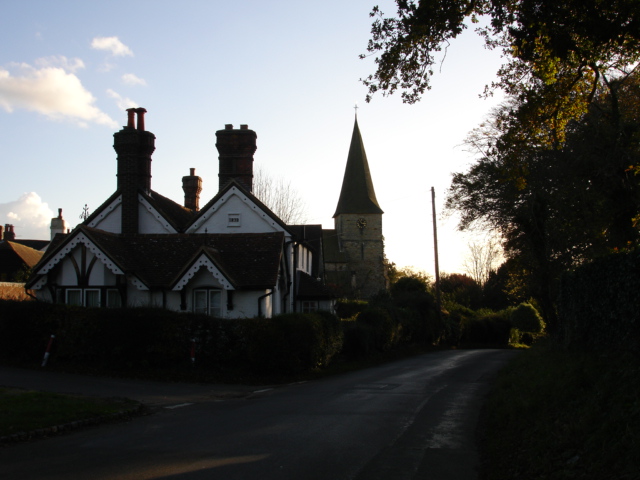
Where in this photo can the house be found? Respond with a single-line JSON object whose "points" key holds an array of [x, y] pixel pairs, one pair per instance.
{"points": [[231, 258], [17, 256]]}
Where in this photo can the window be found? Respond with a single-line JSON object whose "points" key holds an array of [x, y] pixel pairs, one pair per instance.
{"points": [[233, 220], [113, 298], [92, 298], [207, 302], [74, 297], [309, 307], [89, 297]]}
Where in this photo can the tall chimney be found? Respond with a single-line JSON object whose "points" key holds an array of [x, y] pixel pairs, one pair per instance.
{"points": [[236, 149], [134, 147], [192, 186], [9, 234], [58, 225], [1, 233]]}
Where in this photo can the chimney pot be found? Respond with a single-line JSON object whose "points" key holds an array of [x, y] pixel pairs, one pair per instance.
{"points": [[228, 126], [141, 112], [130, 117], [244, 127], [59, 213], [192, 172]]}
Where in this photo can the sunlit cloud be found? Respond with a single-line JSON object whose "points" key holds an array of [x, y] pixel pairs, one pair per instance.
{"points": [[131, 79], [122, 102], [52, 92], [30, 216], [112, 45]]}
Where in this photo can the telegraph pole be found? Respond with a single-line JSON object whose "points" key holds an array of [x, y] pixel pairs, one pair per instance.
{"points": [[435, 249]]}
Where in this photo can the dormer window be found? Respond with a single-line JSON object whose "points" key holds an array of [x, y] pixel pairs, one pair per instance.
{"points": [[233, 220]]}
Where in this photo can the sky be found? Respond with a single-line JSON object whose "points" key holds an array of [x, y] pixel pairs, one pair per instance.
{"points": [[288, 69]]}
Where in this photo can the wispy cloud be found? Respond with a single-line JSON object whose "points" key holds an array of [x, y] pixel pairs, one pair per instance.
{"points": [[131, 79], [30, 216], [52, 92], [68, 64], [112, 45], [122, 102]]}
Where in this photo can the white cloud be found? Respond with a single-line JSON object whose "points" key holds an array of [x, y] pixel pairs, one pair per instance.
{"points": [[131, 79], [53, 92], [112, 45], [70, 65], [29, 215], [122, 102]]}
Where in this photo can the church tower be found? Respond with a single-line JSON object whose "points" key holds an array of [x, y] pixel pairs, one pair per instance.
{"points": [[358, 224]]}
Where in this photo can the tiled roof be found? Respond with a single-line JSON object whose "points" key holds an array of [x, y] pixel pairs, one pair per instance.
{"points": [[331, 248], [248, 260], [35, 244], [309, 287], [175, 213], [357, 194], [28, 255]]}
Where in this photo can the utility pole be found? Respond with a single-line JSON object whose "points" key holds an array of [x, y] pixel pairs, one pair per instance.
{"points": [[435, 249]]}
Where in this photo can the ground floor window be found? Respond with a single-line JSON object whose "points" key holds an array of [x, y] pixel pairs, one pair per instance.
{"points": [[207, 301], [88, 297], [309, 306], [114, 300]]}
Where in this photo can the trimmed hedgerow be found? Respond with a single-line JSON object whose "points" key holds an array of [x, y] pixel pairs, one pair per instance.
{"points": [[120, 340], [599, 304]]}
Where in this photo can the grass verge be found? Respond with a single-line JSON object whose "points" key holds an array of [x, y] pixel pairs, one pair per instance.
{"points": [[558, 414], [26, 410]]}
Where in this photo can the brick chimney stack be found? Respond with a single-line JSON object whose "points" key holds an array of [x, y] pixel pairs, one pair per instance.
{"points": [[236, 149], [134, 147], [9, 234], [192, 186], [1, 233]]}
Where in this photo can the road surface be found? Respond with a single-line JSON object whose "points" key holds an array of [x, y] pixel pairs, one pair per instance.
{"points": [[410, 419]]}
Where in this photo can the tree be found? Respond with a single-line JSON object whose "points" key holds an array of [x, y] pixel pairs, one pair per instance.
{"points": [[461, 289], [556, 205], [280, 196], [558, 50], [482, 259]]}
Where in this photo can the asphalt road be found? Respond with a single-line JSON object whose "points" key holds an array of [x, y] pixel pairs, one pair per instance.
{"points": [[411, 419]]}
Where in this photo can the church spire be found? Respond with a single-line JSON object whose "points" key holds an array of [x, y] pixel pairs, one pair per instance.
{"points": [[357, 194]]}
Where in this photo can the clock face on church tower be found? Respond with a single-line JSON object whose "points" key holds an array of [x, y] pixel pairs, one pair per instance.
{"points": [[361, 223]]}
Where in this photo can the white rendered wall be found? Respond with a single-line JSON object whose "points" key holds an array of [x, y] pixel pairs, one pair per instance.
{"points": [[252, 218], [110, 219]]}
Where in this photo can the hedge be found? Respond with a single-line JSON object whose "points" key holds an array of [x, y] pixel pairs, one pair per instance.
{"points": [[599, 304], [120, 340]]}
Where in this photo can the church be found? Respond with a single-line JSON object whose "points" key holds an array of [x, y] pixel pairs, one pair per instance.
{"points": [[231, 257]]}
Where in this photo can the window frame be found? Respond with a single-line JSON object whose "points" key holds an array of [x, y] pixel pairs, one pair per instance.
{"points": [[213, 301]]}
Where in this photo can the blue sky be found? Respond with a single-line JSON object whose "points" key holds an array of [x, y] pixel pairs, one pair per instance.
{"points": [[288, 69]]}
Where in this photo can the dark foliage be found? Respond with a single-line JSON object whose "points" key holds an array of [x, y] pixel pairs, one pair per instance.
{"points": [[599, 305]]}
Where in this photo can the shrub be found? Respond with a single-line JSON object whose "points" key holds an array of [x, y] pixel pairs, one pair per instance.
{"points": [[385, 332], [349, 308], [526, 318], [292, 343], [489, 329]]}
